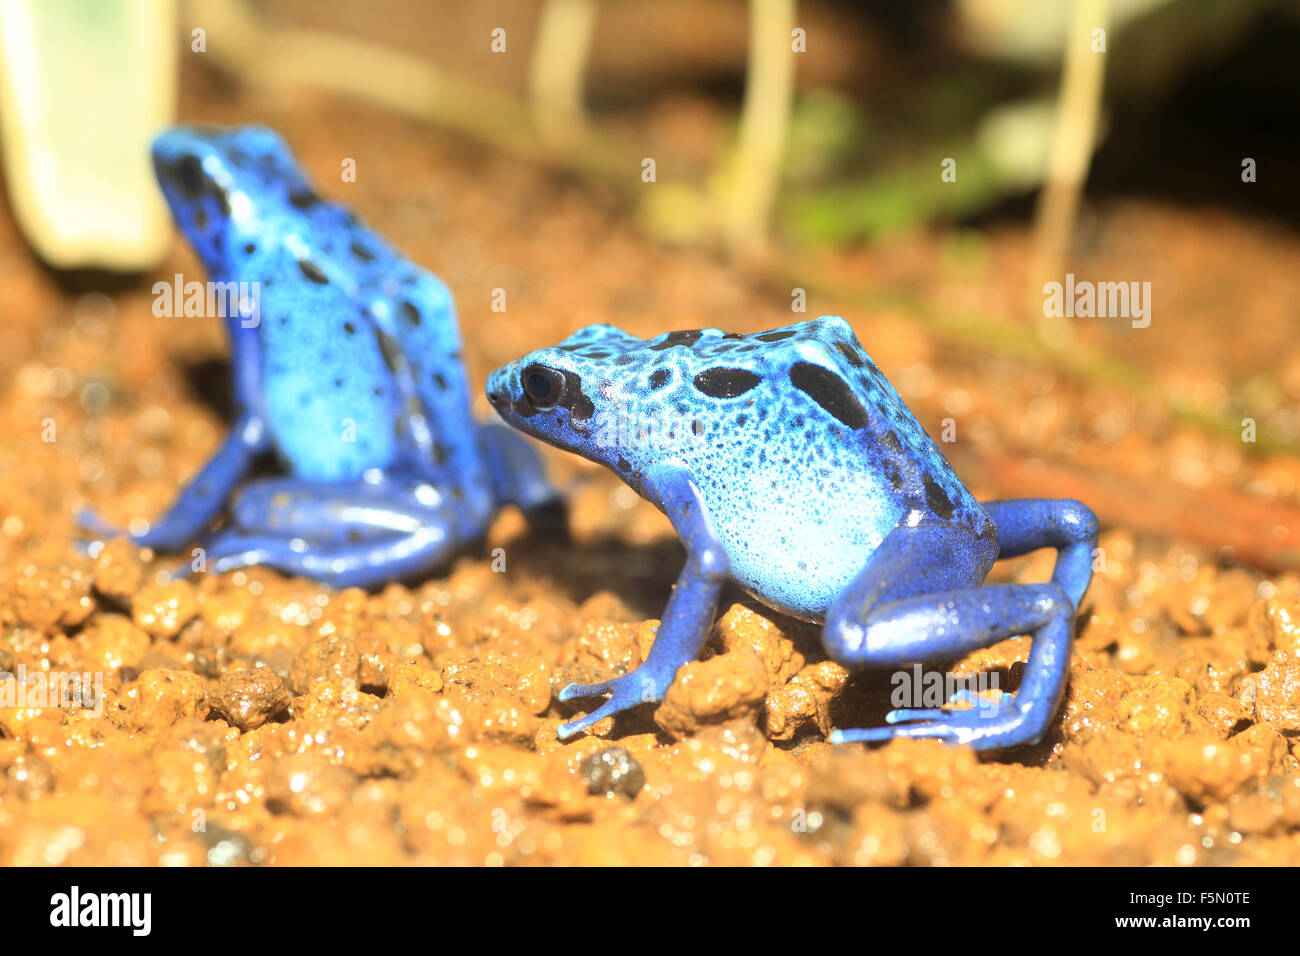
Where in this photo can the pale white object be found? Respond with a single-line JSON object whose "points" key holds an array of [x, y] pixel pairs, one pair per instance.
{"points": [[84, 86], [1033, 31]]}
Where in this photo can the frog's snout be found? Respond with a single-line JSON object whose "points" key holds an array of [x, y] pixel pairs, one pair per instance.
{"points": [[499, 392]]}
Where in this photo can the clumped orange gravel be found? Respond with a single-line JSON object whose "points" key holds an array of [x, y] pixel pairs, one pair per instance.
{"points": [[255, 719]]}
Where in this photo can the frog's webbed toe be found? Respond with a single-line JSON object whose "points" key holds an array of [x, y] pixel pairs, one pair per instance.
{"points": [[985, 725], [624, 692], [89, 519]]}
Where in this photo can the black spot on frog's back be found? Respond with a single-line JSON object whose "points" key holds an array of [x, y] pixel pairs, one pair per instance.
{"points": [[850, 354], [685, 338], [312, 271], [187, 173], [937, 499], [895, 475], [303, 198], [659, 378], [725, 382], [390, 351], [830, 392]]}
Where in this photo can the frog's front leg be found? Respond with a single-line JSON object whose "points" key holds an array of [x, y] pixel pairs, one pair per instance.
{"points": [[201, 500], [517, 475], [689, 614], [920, 600], [344, 534]]}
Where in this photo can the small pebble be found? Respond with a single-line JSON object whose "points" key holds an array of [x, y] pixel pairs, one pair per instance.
{"points": [[250, 698], [612, 771], [163, 609], [118, 572]]}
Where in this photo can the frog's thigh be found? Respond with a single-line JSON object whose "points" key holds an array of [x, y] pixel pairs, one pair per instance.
{"points": [[363, 563], [911, 561], [921, 597], [339, 511]]}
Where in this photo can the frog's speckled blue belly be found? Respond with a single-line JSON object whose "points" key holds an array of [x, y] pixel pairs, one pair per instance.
{"points": [[798, 526]]}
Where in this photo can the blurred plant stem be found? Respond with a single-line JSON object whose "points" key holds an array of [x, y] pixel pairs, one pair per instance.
{"points": [[553, 124], [241, 44], [749, 189], [1076, 129], [559, 63]]}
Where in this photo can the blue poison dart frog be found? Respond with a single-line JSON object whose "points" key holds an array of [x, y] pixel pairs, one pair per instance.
{"points": [[349, 371], [787, 462]]}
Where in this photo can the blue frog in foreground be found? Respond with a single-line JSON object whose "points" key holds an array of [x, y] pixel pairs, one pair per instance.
{"points": [[349, 370], [788, 463]]}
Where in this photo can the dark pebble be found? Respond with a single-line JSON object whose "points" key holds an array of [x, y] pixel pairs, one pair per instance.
{"points": [[612, 770]]}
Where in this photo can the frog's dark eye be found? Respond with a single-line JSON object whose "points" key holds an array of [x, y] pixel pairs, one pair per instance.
{"points": [[544, 386]]}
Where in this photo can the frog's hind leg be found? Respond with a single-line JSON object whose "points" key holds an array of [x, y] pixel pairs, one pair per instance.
{"points": [[1027, 524], [365, 563], [920, 599], [344, 534], [338, 512]]}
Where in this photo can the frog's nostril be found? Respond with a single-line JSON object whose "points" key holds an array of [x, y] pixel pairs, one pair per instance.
{"points": [[497, 399]]}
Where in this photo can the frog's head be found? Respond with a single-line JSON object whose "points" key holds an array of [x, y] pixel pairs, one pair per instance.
{"points": [[217, 181], [557, 394], [628, 403]]}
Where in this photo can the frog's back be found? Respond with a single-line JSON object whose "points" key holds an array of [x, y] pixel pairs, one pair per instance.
{"points": [[361, 345], [350, 353], [804, 478]]}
